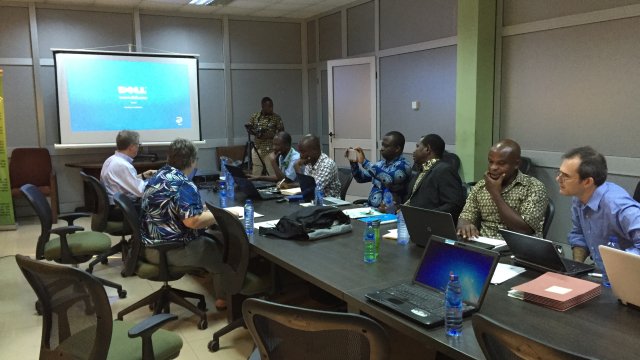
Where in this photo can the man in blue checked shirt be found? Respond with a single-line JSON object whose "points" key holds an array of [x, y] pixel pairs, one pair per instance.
{"points": [[393, 172]]}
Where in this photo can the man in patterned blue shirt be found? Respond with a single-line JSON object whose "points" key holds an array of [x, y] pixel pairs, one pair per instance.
{"points": [[393, 172], [172, 211]]}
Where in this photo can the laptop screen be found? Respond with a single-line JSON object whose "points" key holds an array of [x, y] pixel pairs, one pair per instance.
{"points": [[473, 266]]}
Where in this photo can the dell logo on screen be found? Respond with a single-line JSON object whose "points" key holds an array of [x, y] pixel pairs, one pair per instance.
{"points": [[139, 90]]}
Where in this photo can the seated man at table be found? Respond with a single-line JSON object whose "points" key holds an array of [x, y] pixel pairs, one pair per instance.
{"points": [[505, 198], [282, 159], [172, 211], [314, 163], [599, 209], [391, 172], [438, 185], [118, 174]]}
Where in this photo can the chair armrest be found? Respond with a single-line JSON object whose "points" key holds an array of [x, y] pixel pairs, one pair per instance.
{"points": [[63, 231], [71, 217], [145, 330], [360, 201]]}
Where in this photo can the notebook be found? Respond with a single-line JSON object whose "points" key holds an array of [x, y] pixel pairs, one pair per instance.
{"points": [[422, 223], [237, 172], [623, 270], [540, 254], [246, 186], [556, 291], [422, 299]]}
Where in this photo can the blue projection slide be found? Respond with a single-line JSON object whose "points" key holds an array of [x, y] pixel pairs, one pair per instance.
{"points": [[107, 94]]}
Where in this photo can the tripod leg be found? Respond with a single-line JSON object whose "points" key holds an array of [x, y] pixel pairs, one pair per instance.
{"points": [[264, 166]]}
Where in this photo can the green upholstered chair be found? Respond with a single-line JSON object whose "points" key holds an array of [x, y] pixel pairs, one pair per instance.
{"points": [[76, 321], [288, 332], [499, 342], [66, 244], [100, 222], [240, 283], [137, 265]]}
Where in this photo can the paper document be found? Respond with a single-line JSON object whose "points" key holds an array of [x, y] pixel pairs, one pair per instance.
{"points": [[266, 224], [391, 234], [361, 212], [292, 191], [505, 272], [239, 212], [489, 241]]}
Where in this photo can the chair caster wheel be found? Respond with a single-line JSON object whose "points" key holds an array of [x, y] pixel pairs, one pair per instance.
{"points": [[122, 294], [104, 261], [202, 324], [202, 305], [38, 308], [214, 345], [89, 270]]}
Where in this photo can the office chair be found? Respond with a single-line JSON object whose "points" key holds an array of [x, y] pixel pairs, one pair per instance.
{"points": [[72, 245], [499, 343], [525, 165], [345, 176], [161, 299], [100, 222], [77, 321], [452, 159], [288, 332], [241, 283], [636, 193], [33, 166], [548, 217]]}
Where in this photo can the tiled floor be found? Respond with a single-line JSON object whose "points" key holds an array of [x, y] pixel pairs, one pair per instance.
{"points": [[21, 327]]}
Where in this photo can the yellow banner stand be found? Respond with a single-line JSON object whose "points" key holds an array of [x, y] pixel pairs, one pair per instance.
{"points": [[7, 219]]}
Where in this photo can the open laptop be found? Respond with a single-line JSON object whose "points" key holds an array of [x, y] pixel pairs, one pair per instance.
{"points": [[308, 188], [540, 254], [237, 172], [422, 223], [623, 270], [422, 299], [246, 186]]}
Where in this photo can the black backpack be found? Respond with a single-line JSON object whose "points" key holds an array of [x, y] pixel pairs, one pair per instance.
{"points": [[299, 224]]}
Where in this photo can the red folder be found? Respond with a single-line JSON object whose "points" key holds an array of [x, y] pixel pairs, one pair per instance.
{"points": [[557, 291]]}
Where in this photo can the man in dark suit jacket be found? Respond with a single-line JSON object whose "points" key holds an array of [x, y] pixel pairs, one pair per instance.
{"points": [[438, 185]]}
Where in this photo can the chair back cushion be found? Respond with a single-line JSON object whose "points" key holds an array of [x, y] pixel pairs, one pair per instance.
{"points": [[30, 166], [40, 205], [345, 176]]}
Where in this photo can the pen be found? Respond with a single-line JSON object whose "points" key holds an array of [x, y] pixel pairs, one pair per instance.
{"points": [[595, 275]]}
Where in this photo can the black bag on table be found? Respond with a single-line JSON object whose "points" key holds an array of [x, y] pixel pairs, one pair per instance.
{"points": [[310, 223]]}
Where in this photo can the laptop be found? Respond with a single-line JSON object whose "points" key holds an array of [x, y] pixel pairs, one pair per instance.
{"points": [[623, 270], [540, 254], [237, 172], [422, 223], [246, 186], [308, 188], [422, 299]]}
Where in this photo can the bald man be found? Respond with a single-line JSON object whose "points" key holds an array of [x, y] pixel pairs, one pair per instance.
{"points": [[314, 163], [505, 198]]}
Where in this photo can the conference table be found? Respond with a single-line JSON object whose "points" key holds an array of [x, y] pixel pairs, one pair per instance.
{"points": [[600, 328]]}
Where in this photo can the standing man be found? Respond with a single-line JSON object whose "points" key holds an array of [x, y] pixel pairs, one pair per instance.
{"points": [[314, 163], [282, 159], [438, 185], [264, 125], [599, 208], [505, 198], [118, 175], [391, 172]]}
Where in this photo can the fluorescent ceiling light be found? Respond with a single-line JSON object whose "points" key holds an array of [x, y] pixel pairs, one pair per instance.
{"points": [[201, 2]]}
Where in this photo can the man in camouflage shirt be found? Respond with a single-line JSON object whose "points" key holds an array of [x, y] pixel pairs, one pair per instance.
{"points": [[264, 125]]}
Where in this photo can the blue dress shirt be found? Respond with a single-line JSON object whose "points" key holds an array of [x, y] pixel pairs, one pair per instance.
{"points": [[609, 211]]}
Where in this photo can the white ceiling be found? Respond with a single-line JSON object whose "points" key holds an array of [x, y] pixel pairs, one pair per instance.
{"points": [[299, 9]]}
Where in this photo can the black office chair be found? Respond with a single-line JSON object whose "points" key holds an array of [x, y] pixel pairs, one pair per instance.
{"points": [[548, 217], [525, 165], [498, 342], [137, 264], [452, 159], [636, 194], [345, 176], [241, 283], [66, 244], [77, 321], [100, 222], [288, 332]]}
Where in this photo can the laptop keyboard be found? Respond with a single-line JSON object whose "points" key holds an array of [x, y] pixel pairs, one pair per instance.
{"points": [[420, 298]]}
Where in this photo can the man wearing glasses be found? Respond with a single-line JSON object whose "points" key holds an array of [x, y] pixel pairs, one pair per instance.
{"points": [[119, 175], [599, 209]]}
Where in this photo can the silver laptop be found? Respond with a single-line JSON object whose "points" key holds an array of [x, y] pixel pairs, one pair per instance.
{"points": [[623, 270], [237, 172], [540, 254], [422, 299]]}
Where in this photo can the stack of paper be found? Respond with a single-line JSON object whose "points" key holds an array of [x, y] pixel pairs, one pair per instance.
{"points": [[292, 191], [239, 212], [557, 291]]}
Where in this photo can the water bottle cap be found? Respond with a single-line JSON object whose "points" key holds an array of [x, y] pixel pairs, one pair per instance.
{"points": [[249, 201], [369, 223], [453, 277]]}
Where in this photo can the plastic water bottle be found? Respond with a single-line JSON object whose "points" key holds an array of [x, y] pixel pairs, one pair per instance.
{"points": [[223, 167], [403, 233], [387, 198], [248, 217], [222, 192], [376, 231], [453, 307], [369, 239], [319, 197], [612, 243], [231, 191]]}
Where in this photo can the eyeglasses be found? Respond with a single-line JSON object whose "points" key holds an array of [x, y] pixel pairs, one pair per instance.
{"points": [[562, 177]]}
